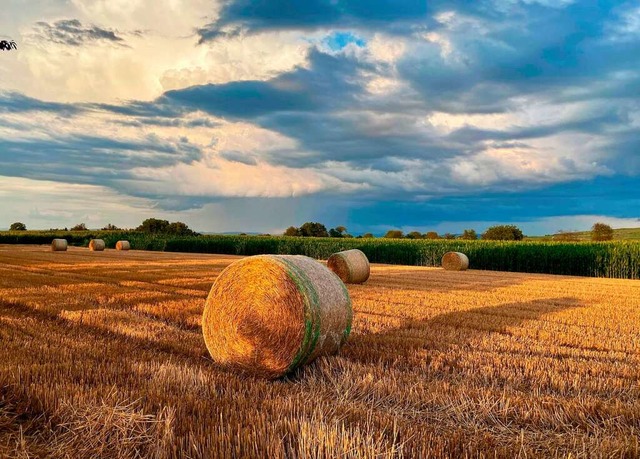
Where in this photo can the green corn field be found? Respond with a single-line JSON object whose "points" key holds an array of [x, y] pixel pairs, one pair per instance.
{"points": [[595, 259]]}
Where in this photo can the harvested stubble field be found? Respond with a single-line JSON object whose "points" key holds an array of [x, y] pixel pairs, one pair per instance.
{"points": [[102, 356]]}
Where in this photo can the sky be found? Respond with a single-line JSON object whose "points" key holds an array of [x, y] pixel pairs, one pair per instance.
{"points": [[239, 115]]}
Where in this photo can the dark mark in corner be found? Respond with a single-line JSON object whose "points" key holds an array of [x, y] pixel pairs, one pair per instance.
{"points": [[8, 45]]}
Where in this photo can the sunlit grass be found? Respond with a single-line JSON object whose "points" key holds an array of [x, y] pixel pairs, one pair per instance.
{"points": [[102, 356]]}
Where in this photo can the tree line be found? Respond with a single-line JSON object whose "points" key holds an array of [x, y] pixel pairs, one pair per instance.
{"points": [[599, 231], [150, 225]]}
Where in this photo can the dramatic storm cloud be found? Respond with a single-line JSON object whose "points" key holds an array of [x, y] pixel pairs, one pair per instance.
{"points": [[254, 115]]}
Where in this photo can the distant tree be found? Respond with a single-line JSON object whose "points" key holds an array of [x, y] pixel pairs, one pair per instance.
{"points": [[431, 235], [449, 236], [154, 226], [368, 236], [601, 232], [414, 235], [157, 226], [565, 236], [292, 231], [503, 233], [79, 227], [18, 226], [314, 229], [179, 229], [393, 234], [110, 227], [338, 231], [469, 234]]}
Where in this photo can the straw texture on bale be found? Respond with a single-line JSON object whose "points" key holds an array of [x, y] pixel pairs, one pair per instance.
{"points": [[270, 314], [59, 245], [352, 266], [123, 245], [455, 261], [96, 245]]}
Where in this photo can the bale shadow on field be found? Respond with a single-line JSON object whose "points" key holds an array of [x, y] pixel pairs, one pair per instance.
{"points": [[420, 279], [446, 331]]}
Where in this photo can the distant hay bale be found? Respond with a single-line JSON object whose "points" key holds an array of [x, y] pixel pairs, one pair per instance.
{"points": [[96, 245], [123, 245], [455, 261], [270, 314], [59, 245], [352, 266]]}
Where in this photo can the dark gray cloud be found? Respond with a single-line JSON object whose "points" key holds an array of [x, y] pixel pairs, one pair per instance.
{"points": [[328, 85], [528, 50], [324, 107], [239, 157], [73, 33], [12, 102], [252, 15], [167, 122], [89, 159]]}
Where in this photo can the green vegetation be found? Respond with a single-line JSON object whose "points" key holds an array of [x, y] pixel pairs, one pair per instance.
{"points": [[157, 226], [620, 234], [597, 259], [503, 233], [18, 226], [469, 235], [339, 231], [77, 238], [601, 232], [313, 229]]}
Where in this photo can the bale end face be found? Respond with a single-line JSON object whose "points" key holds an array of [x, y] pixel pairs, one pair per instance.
{"points": [[123, 245], [96, 245], [59, 245], [455, 261], [351, 266], [268, 315]]}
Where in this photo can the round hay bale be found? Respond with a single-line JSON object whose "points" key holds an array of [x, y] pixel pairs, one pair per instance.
{"points": [[270, 314], [455, 261], [59, 245], [123, 245], [96, 245], [352, 266]]}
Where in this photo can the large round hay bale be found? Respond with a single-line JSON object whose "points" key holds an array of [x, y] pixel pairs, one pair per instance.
{"points": [[352, 266], [96, 245], [59, 245], [270, 314], [123, 245], [455, 261]]}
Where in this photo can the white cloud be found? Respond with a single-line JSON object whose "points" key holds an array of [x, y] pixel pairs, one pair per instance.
{"points": [[159, 52], [626, 26], [553, 159], [215, 174], [386, 49], [44, 204], [219, 177], [171, 18]]}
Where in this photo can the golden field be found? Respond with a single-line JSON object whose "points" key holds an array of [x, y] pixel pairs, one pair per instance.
{"points": [[102, 356]]}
